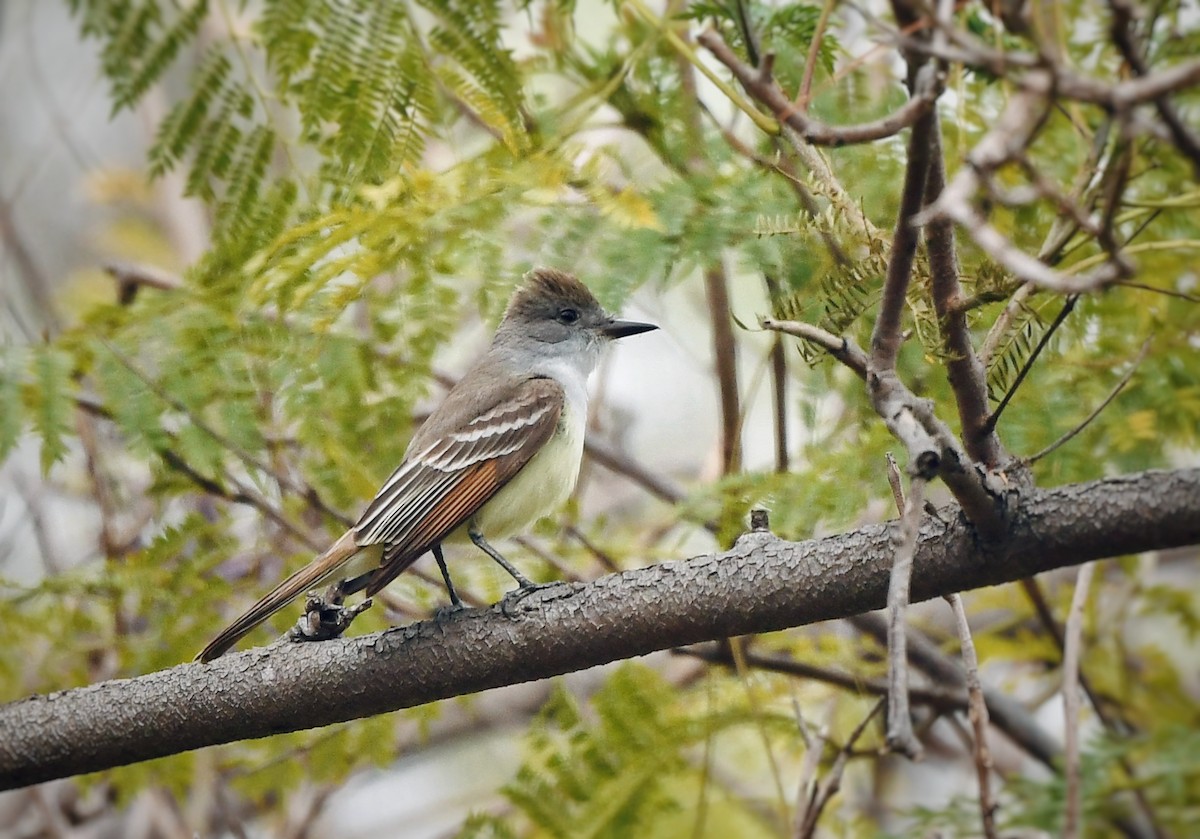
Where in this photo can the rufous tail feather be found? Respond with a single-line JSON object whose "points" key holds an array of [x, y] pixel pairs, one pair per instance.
{"points": [[303, 580]]}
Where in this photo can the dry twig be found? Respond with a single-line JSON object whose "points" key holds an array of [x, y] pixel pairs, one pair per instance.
{"points": [[977, 712], [1073, 642], [900, 735]]}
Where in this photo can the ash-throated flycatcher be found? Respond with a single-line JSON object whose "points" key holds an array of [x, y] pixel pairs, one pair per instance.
{"points": [[501, 451]]}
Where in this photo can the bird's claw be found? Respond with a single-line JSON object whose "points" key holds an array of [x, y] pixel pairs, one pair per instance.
{"points": [[445, 613], [514, 597]]}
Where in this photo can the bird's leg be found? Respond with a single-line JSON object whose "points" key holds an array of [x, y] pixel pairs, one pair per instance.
{"points": [[324, 615], [455, 601], [483, 545]]}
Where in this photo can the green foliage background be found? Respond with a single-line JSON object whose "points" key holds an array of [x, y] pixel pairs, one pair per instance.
{"points": [[374, 171]]}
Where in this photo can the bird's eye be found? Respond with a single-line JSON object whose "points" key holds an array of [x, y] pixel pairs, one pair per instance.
{"points": [[567, 315]]}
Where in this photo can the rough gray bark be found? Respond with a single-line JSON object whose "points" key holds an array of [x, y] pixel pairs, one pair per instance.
{"points": [[762, 584]]}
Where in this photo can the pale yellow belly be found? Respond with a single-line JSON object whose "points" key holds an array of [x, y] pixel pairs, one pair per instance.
{"points": [[539, 489]]}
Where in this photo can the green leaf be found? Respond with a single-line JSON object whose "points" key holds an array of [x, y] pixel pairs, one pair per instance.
{"points": [[11, 409], [51, 408]]}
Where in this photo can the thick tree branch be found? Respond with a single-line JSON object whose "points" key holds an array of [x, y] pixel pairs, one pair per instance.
{"points": [[761, 585]]}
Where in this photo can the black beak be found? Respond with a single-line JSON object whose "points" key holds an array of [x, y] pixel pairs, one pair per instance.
{"points": [[625, 328]]}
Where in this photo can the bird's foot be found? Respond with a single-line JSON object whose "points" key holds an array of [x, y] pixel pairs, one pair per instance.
{"points": [[444, 614], [325, 617], [513, 598]]}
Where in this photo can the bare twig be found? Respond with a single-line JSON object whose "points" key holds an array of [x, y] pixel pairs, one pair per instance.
{"points": [[764, 89], [686, 52], [783, 164], [1007, 140], [1006, 713], [603, 557], [969, 51], [829, 786], [912, 422], [716, 288], [132, 276], [941, 698], [716, 293], [803, 95], [967, 375], [900, 735], [1108, 399], [978, 714], [1073, 641], [1113, 724], [779, 380], [617, 461], [1169, 292], [814, 749], [1123, 36], [247, 458], [885, 339], [842, 349], [779, 403], [1068, 307]]}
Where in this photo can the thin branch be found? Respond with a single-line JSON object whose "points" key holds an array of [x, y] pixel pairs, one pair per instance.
{"points": [[760, 585], [246, 457], [1073, 641], [885, 339], [832, 781], [779, 403], [779, 382], [716, 293], [1191, 298], [1111, 95], [966, 373], [941, 698], [842, 349], [749, 36], [978, 715], [1007, 140], [814, 749], [763, 88], [1108, 399], [1122, 34], [1007, 714], [900, 735], [803, 95], [782, 164], [1113, 724], [131, 277], [605, 559], [1068, 307], [684, 49], [912, 421], [1122, 96]]}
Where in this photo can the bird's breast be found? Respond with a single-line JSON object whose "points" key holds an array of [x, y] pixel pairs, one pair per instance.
{"points": [[543, 485]]}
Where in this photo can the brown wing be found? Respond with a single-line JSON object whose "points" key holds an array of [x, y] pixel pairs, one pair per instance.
{"points": [[443, 481]]}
